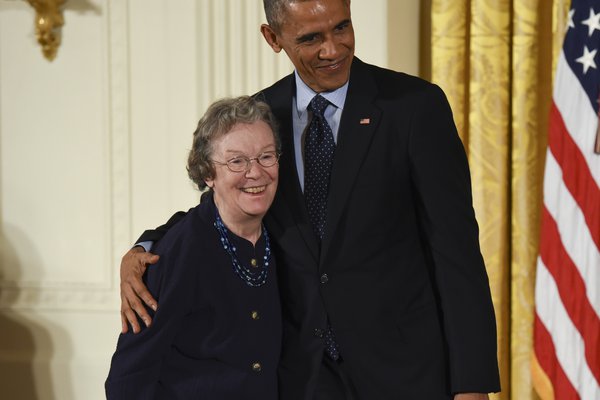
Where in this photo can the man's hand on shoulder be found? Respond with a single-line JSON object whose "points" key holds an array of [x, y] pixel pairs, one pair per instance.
{"points": [[133, 290], [471, 396]]}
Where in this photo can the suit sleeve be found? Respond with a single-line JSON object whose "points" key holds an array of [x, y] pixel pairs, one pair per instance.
{"points": [[441, 177], [137, 361], [154, 235]]}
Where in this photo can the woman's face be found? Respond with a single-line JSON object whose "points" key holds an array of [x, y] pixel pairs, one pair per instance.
{"points": [[243, 197]]}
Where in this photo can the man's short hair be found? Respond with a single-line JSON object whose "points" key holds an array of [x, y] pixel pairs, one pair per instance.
{"points": [[275, 11]]}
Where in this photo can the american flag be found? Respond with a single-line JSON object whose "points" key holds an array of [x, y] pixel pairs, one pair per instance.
{"points": [[566, 363]]}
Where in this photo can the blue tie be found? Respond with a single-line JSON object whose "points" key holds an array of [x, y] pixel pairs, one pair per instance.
{"points": [[332, 349], [319, 149]]}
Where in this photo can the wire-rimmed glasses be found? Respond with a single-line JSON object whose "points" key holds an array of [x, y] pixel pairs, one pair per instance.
{"points": [[242, 163]]}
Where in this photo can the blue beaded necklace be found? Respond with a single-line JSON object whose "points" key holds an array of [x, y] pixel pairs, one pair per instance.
{"points": [[253, 276]]}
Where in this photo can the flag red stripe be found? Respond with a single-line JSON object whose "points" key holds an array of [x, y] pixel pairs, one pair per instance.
{"points": [[546, 356], [571, 288], [576, 173]]}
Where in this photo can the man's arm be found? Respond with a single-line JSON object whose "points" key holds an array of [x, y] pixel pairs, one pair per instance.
{"points": [[133, 265], [442, 184]]}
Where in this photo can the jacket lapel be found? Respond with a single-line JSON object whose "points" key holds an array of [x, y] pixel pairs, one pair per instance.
{"points": [[289, 198], [359, 122]]}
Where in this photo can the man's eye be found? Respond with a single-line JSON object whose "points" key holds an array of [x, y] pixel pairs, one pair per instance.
{"points": [[342, 26], [307, 39]]}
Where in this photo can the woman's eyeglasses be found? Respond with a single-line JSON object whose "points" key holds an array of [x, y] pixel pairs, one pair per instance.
{"points": [[243, 163]]}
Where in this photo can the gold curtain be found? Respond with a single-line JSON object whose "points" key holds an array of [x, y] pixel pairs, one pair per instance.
{"points": [[494, 59]]}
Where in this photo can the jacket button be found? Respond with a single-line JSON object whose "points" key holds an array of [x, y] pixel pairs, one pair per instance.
{"points": [[324, 278], [254, 315], [319, 333], [256, 367]]}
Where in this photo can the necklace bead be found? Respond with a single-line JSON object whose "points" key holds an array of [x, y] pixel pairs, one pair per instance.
{"points": [[253, 276]]}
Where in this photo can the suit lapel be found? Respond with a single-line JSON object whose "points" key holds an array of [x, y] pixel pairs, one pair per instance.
{"points": [[360, 119], [289, 199], [359, 122]]}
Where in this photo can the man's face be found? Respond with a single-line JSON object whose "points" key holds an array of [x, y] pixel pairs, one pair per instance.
{"points": [[318, 37]]}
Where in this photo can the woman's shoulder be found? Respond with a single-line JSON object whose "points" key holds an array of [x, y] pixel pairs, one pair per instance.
{"points": [[189, 232]]}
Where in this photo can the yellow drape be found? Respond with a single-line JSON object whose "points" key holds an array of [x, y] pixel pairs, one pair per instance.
{"points": [[494, 59]]}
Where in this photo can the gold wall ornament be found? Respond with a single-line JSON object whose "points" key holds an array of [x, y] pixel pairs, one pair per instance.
{"points": [[48, 20]]}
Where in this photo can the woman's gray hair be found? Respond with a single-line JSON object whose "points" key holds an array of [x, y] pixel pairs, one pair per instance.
{"points": [[219, 119]]}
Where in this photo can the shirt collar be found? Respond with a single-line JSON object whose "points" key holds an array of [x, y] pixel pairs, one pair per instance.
{"points": [[304, 95]]}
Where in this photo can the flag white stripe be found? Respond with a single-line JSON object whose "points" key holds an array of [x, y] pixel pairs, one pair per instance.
{"points": [[568, 343], [574, 232], [579, 116]]}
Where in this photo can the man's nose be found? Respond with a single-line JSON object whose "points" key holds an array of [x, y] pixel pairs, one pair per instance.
{"points": [[329, 49]]}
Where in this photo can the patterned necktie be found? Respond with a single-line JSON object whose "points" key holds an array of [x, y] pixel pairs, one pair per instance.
{"points": [[319, 149], [332, 349]]}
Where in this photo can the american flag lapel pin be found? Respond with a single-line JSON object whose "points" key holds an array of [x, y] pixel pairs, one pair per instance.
{"points": [[365, 121]]}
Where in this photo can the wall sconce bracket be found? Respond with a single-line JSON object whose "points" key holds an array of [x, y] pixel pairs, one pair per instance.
{"points": [[48, 21]]}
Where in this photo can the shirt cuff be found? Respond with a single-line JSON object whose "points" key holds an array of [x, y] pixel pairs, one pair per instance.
{"points": [[147, 245]]}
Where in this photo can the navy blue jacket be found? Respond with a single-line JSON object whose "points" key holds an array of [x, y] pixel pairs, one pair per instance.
{"points": [[213, 336]]}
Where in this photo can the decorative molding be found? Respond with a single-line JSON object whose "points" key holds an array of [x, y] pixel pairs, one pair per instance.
{"points": [[120, 131], [78, 298], [100, 295], [48, 21], [233, 58]]}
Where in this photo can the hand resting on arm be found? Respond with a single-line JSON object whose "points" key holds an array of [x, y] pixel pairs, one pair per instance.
{"points": [[133, 290]]}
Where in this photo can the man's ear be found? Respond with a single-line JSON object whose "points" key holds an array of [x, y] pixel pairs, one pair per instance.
{"points": [[271, 37]]}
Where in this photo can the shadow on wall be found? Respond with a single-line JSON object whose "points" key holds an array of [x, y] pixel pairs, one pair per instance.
{"points": [[27, 348]]}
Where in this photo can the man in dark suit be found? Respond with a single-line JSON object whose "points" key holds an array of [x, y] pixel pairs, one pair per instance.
{"points": [[384, 291]]}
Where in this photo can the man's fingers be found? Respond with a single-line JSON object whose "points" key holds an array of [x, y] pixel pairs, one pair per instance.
{"points": [[142, 292], [143, 259], [143, 314], [471, 396], [124, 324], [129, 316], [136, 260], [132, 305], [129, 309], [150, 258], [133, 290]]}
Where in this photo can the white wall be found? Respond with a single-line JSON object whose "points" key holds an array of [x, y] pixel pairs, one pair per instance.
{"points": [[92, 152]]}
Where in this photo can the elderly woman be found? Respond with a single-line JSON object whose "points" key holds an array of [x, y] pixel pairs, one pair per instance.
{"points": [[217, 332]]}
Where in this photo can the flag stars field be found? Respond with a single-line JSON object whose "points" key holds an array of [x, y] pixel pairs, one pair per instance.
{"points": [[587, 59], [593, 22]]}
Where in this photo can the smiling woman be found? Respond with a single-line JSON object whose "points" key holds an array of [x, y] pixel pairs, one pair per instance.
{"points": [[217, 333], [231, 133]]}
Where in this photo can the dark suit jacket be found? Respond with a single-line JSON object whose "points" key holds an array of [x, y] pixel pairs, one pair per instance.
{"points": [[399, 272], [204, 342]]}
